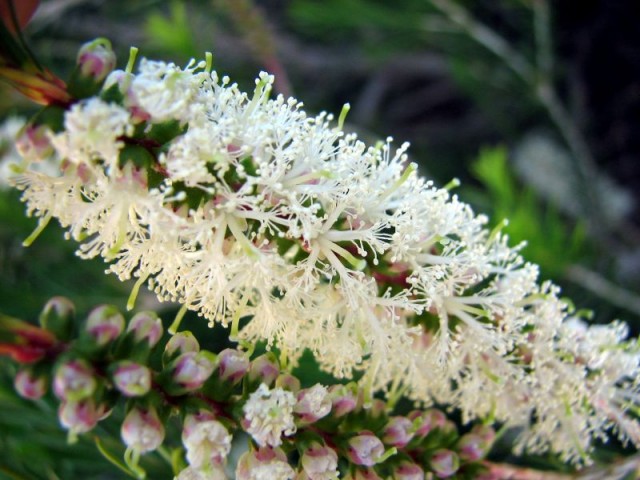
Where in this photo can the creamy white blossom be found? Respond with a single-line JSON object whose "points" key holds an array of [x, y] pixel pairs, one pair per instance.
{"points": [[268, 415], [248, 207]]}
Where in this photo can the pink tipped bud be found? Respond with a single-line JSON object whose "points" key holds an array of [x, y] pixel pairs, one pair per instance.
{"points": [[408, 471], [313, 404], [288, 382], [475, 445], [425, 421], [365, 449], [105, 324], [179, 343], [79, 417], [142, 430], [264, 463], [192, 369], [146, 327], [320, 462], [343, 398], [132, 379], [264, 369], [30, 386], [57, 317], [232, 365], [96, 59], [74, 380], [444, 463], [33, 142], [398, 432]]}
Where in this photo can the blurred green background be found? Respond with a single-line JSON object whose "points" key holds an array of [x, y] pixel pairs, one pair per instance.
{"points": [[533, 104]]}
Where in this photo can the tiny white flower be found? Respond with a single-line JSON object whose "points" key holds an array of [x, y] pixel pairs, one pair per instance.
{"points": [[268, 414]]}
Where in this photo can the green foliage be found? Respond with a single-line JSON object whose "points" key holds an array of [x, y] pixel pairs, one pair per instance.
{"points": [[551, 241], [171, 34]]}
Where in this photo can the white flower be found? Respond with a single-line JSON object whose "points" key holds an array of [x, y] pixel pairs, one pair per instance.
{"points": [[268, 415], [92, 132], [206, 442]]}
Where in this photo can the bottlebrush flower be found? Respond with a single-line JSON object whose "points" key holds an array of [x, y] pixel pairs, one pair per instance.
{"points": [[240, 206]]}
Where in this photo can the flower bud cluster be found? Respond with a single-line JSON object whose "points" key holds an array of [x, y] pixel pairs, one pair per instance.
{"points": [[334, 431]]}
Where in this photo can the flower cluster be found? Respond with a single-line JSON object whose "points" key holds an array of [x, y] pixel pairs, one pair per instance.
{"points": [[241, 206], [314, 433]]}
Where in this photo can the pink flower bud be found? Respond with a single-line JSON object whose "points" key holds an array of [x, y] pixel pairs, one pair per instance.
{"points": [[206, 441], [33, 142], [313, 404], [343, 398], [408, 471], [264, 463], [132, 379], [146, 326], [365, 449], [425, 421], [265, 369], [475, 445], [192, 369], [57, 317], [444, 463], [30, 386], [398, 432], [105, 324], [320, 462], [288, 382], [74, 380], [181, 342], [232, 365], [142, 430], [96, 59], [79, 417]]}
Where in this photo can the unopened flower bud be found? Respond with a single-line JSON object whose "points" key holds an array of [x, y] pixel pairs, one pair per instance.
{"points": [[96, 59], [57, 317], [142, 430], [29, 385], [288, 382], [179, 343], [472, 447], [444, 463], [74, 380], [320, 462], [33, 142], [313, 403], [398, 432], [264, 369], [192, 369], [146, 327], [365, 449], [79, 417], [425, 421], [105, 324], [206, 441], [343, 398], [408, 471], [232, 365], [264, 463], [132, 379]]}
